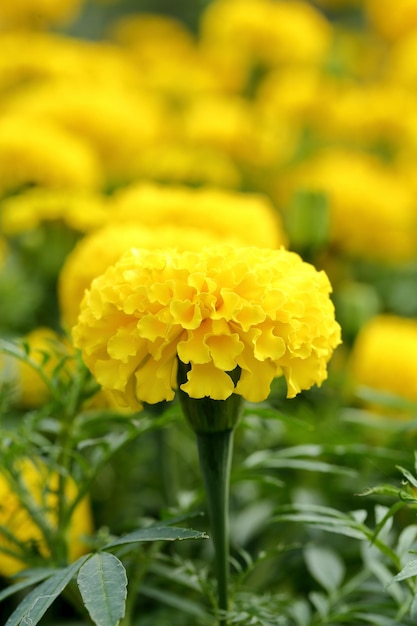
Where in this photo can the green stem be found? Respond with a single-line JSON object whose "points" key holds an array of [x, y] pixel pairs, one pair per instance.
{"points": [[215, 455]]}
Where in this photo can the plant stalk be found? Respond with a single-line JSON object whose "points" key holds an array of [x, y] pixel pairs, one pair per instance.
{"points": [[215, 451]]}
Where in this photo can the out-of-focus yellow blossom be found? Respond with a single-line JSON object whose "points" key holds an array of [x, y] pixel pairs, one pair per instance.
{"points": [[117, 123], [256, 312], [367, 113], [249, 217], [269, 31], [41, 483], [45, 349], [392, 20], [372, 209], [56, 57], [176, 162], [38, 152], [38, 13], [232, 125], [94, 253], [79, 210], [400, 64], [384, 356], [166, 55]]}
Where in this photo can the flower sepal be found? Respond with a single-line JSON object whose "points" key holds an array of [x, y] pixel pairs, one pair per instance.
{"points": [[206, 415]]}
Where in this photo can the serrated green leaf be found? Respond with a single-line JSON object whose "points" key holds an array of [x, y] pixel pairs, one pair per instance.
{"points": [[102, 582], [37, 602], [325, 566], [156, 533]]}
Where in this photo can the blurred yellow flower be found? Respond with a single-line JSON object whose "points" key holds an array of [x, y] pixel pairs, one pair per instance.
{"points": [[39, 152], [117, 123], [79, 210], [392, 20], [38, 13], [41, 484], [372, 208], [247, 217], [269, 31], [95, 252], [257, 312], [384, 356], [176, 162], [45, 349]]}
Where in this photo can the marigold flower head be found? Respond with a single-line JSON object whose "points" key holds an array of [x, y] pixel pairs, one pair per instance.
{"points": [[38, 13], [372, 209], [384, 356], [94, 253], [248, 218], [45, 349], [114, 121], [81, 211], [270, 31], [257, 312], [392, 20], [39, 152], [42, 484]]}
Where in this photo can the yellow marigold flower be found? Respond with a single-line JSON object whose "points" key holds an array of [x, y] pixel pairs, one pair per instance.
{"points": [[176, 162], [42, 485], [95, 252], [55, 57], [400, 66], [115, 122], [270, 31], [79, 210], [392, 20], [38, 152], [384, 356], [372, 210], [257, 312], [166, 54], [45, 349], [38, 13], [248, 217]]}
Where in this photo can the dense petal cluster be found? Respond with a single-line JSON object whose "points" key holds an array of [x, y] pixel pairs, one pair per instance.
{"points": [[263, 313], [41, 484]]}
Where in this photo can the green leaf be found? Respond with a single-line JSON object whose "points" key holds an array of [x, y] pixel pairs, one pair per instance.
{"points": [[34, 577], [156, 533], [102, 582], [38, 601], [325, 566], [408, 571]]}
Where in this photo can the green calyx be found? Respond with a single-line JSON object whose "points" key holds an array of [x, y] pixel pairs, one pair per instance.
{"points": [[206, 415]]}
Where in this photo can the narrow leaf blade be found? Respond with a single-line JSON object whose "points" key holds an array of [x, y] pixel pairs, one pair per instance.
{"points": [[157, 533], [38, 601]]}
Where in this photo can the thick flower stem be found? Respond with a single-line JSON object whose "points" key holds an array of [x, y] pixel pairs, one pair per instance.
{"points": [[215, 455]]}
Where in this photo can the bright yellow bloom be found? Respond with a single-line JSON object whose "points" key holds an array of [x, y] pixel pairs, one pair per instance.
{"points": [[79, 210], [246, 217], [38, 13], [115, 122], [384, 356], [45, 350], [392, 20], [270, 31], [38, 152], [264, 313], [95, 252], [42, 484], [175, 162], [372, 209]]}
